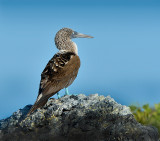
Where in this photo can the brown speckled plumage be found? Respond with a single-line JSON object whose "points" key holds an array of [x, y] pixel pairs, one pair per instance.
{"points": [[61, 70]]}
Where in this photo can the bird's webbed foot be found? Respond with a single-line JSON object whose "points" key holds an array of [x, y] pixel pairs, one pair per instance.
{"points": [[58, 95], [66, 91]]}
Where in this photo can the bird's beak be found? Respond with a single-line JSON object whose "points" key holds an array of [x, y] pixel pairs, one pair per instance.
{"points": [[79, 35]]}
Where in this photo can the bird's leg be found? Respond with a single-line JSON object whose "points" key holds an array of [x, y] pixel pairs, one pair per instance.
{"points": [[66, 91], [58, 95]]}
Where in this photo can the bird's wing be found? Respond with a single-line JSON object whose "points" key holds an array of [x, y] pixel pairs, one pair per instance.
{"points": [[58, 69], [60, 72]]}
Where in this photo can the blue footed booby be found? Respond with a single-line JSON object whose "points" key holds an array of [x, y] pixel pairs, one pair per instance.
{"points": [[62, 69]]}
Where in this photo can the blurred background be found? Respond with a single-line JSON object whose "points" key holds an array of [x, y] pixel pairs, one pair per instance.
{"points": [[122, 60]]}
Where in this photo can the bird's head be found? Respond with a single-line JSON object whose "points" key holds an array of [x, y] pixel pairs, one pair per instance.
{"points": [[63, 39], [69, 33]]}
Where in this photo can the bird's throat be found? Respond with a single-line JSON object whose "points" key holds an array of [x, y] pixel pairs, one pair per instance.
{"points": [[66, 45]]}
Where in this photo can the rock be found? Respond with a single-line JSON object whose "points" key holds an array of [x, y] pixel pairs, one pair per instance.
{"points": [[76, 118]]}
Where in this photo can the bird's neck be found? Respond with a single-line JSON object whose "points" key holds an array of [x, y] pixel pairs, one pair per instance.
{"points": [[66, 45]]}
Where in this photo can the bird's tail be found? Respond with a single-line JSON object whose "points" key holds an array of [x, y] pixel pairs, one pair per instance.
{"points": [[40, 102]]}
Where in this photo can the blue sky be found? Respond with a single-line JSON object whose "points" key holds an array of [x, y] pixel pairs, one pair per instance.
{"points": [[122, 60]]}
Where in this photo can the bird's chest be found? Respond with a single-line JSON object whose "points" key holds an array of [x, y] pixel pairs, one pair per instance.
{"points": [[71, 78]]}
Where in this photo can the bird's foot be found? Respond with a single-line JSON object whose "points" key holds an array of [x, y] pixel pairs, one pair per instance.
{"points": [[58, 95], [66, 91]]}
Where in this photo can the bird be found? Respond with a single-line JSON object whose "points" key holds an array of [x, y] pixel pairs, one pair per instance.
{"points": [[62, 68]]}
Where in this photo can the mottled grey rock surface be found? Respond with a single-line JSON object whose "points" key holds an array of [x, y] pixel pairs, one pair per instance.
{"points": [[76, 118]]}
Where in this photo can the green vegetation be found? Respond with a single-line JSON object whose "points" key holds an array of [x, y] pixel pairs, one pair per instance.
{"points": [[147, 115]]}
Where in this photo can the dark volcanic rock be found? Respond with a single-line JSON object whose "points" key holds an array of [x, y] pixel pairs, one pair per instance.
{"points": [[76, 118]]}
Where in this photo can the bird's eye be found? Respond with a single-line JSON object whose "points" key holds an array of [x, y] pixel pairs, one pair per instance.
{"points": [[75, 33]]}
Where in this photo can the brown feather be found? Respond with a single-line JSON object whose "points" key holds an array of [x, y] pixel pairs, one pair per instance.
{"points": [[59, 73]]}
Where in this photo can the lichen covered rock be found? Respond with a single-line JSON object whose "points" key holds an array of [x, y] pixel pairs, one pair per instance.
{"points": [[76, 118]]}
